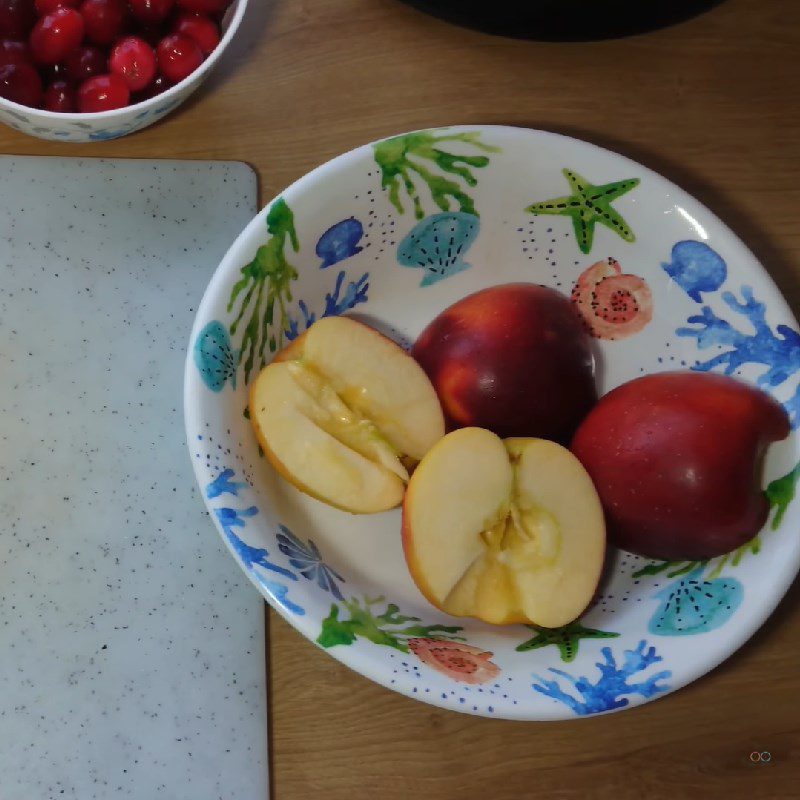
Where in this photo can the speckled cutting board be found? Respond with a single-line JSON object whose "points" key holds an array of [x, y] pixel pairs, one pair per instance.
{"points": [[131, 644]]}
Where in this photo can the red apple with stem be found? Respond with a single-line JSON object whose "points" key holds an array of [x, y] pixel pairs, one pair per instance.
{"points": [[676, 458]]}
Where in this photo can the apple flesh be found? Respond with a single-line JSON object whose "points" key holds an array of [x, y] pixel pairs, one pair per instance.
{"points": [[342, 412], [515, 359], [676, 459], [506, 532]]}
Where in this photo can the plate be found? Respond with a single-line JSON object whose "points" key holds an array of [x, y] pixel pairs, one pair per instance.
{"points": [[341, 240]]}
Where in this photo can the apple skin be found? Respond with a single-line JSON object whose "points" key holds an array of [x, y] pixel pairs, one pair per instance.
{"points": [[515, 359], [676, 459]]}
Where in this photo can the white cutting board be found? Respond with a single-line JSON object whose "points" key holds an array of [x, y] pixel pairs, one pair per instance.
{"points": [[131, 645]]}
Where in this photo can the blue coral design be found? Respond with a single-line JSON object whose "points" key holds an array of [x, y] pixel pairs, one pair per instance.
{"points": [[437, 245], [336, 303], [223, 484], [612, 689], [692, 605], [255, 559], [778, 351], [696, 268]]}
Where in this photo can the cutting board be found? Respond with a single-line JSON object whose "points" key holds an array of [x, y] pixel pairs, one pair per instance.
{"points": [[132, 657]]}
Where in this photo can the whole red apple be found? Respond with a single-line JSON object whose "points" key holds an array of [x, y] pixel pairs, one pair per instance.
{"points": [[515, 359], [676, 459]]}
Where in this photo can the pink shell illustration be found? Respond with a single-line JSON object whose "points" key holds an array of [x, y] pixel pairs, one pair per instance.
{"points": [[457, 660], [613, 305]]}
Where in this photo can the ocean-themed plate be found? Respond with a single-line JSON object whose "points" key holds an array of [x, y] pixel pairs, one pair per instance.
{"points": [[394, 232]]}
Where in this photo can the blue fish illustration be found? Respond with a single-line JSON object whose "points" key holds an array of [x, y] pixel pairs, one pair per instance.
{"points": [[339, 242], [214, 357], [696, 268], [693, 605], [438, 243]]}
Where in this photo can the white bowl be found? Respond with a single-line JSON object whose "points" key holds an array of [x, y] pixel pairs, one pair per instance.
{"points": [[121, 121], [341, 579]]}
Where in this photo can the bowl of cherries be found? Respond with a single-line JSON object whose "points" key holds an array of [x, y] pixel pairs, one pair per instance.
{"points": [[86, 70]]}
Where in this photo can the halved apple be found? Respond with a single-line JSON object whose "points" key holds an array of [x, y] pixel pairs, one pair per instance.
{"points": [[505, 531], [342, 412]]}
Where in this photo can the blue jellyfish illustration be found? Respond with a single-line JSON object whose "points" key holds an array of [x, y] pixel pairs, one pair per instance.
{"points": [[696, 268], [693, 605], [339, 242], [214, 357], [438, 243]]}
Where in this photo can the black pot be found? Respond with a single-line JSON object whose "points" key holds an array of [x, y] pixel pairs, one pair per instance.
{"points": [[564, 20]]}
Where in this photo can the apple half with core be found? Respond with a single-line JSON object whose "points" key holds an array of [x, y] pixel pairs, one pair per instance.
{"points": [[342, 412], [506, 531]]}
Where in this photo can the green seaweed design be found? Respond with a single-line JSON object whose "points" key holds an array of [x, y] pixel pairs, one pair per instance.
{"points": [[265, 281], [390, 628], [401, 156], [779, 493]]}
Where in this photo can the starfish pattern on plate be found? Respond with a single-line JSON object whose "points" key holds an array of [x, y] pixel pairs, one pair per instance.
{"points": [[587, 205], [566, 638]]}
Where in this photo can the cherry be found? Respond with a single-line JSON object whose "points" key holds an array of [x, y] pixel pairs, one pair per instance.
{"points": [[13, 52], [201, 28], [21, 84], [60, 96], [86, 62], [103, 93], [135, 61], [56, 35], [204, 6], [16, 18], [105, 19], [151, 12], [159, 85], [178, 56], [46, 6]]}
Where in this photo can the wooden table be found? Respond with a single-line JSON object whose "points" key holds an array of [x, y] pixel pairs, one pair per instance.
{"points": [[713, 104]]}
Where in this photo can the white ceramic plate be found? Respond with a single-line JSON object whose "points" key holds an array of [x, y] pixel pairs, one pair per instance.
{"points": [[340, 579]]}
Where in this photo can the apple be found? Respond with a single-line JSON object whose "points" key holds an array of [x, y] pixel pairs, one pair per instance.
{"points": [[676, 459], [342, 412], [515, 359], [506, 531]]}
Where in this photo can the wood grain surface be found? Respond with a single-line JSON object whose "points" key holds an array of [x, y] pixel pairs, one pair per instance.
{"points": [[713, 104]]}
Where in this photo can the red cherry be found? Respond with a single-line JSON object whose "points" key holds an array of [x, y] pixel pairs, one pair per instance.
{"points": [[60, 96], [103, 93], [135, 61], [86, 62], [105, 19], [151, 12], [159, 85], [200, 28], [56, 35], [178, 56], [13, 52], [16, 18], [21, 84], [46, 6], [204, 6]]}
